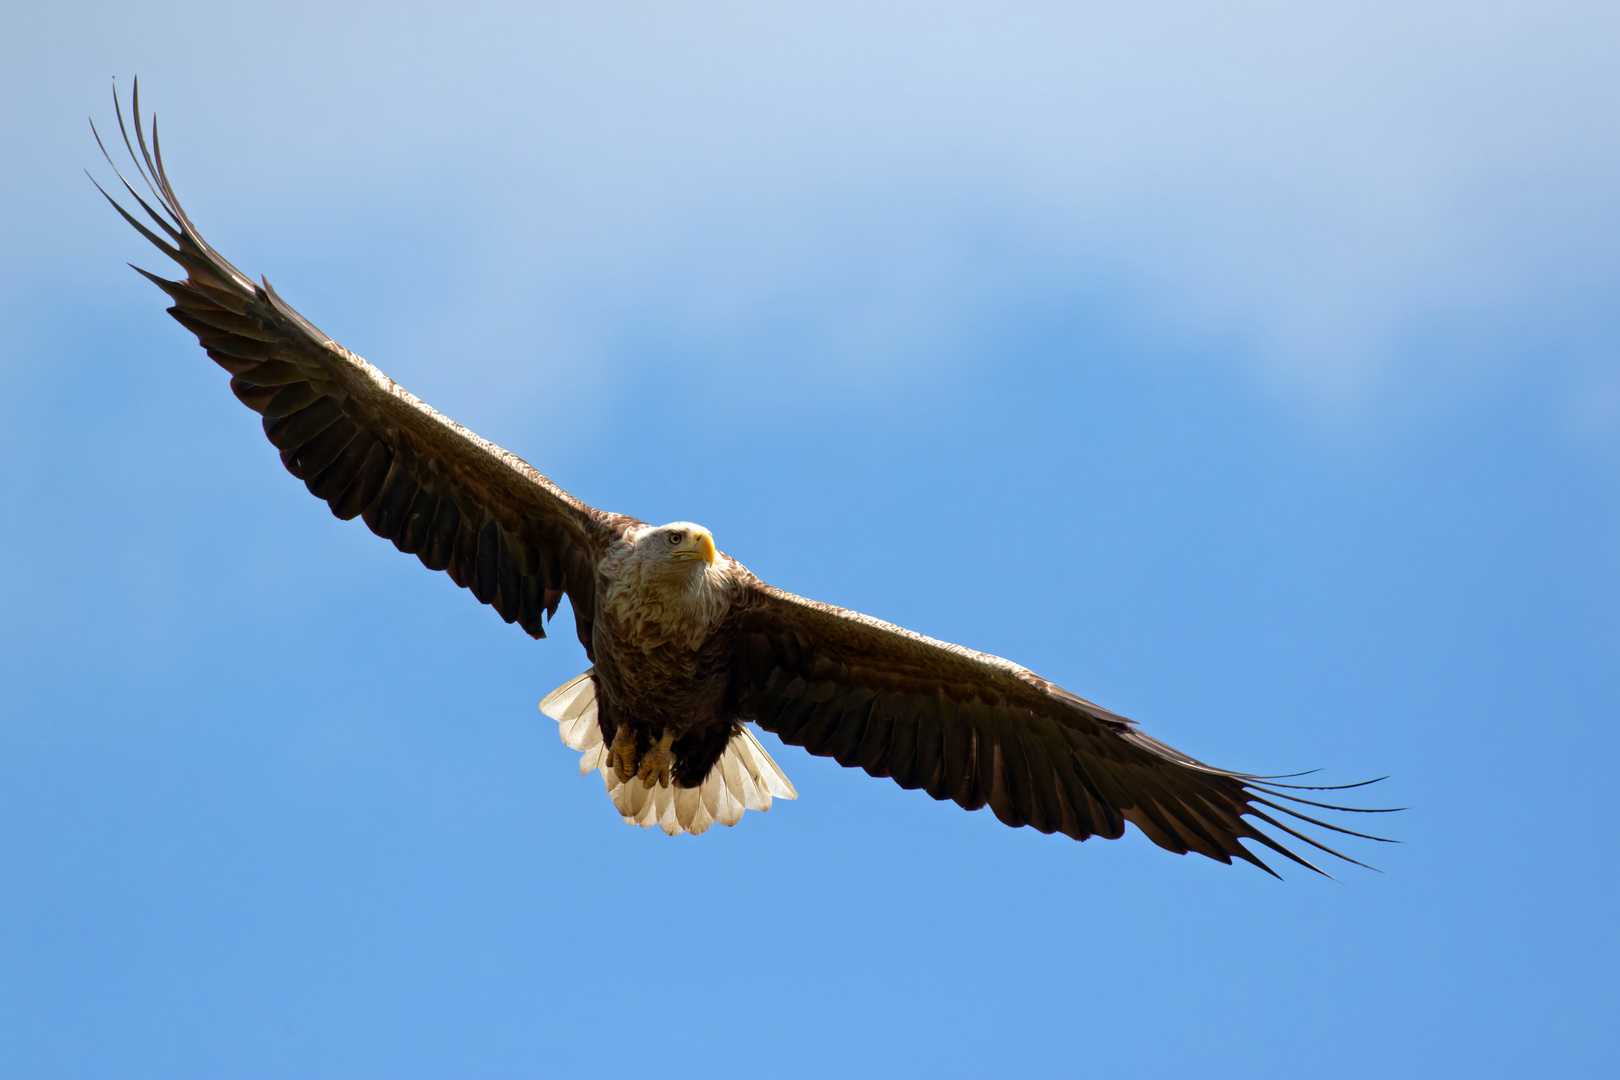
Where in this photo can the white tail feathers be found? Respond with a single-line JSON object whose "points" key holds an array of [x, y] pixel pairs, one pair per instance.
{"points": [[745, 777]]}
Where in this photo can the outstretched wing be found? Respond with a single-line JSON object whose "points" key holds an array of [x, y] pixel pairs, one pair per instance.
{"points": [[978, 730], [366, 446]]}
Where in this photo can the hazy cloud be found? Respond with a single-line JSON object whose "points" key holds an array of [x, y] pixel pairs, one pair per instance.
{"points": [[1344, 190]]}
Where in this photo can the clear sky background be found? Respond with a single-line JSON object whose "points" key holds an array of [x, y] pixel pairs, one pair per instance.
{"points": [[1251, 369]]}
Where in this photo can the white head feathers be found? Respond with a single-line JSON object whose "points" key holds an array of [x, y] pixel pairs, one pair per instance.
{"points": [[666, 584]]}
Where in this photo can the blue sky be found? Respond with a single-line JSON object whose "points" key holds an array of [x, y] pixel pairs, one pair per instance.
{"points": [[1284, 340]]}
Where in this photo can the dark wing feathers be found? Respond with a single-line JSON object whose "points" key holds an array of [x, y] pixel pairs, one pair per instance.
{"points": [[365, 446], [979, 730]]}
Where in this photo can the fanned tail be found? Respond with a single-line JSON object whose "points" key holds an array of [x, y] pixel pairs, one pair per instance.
{"points": [[745, 777]]}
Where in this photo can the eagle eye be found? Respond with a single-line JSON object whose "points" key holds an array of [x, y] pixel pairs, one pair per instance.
{"points": [[674, 538]]}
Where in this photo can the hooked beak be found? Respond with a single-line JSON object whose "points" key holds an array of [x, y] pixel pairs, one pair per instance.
{"points": [[704, 549]]}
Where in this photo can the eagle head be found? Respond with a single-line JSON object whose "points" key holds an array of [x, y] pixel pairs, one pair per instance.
{"points": [[662, 585], [677, 543]]}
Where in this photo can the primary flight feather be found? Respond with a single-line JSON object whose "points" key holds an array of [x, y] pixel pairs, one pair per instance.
{"points": [[686, 645]]}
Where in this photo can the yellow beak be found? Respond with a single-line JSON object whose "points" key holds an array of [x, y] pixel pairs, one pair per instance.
{"points": [[705, 544]]}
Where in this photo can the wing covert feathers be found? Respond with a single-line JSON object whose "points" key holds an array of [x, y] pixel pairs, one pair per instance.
{"points": [[745, 777], [361, 443]]}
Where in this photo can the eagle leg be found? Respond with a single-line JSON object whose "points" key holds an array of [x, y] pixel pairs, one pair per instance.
{"points": [[622, 753], [658, 763]]}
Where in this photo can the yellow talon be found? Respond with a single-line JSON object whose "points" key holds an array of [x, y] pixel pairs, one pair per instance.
{"points": [[622, 754], [657, 762]]}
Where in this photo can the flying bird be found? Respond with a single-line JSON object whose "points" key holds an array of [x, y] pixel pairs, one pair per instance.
{"points": [[686, 646]]}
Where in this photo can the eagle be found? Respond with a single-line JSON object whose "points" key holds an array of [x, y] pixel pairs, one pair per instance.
{"points": [[686, 647]]}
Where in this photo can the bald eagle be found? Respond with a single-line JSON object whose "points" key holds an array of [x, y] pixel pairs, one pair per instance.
{"points": [[686, 646]]}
